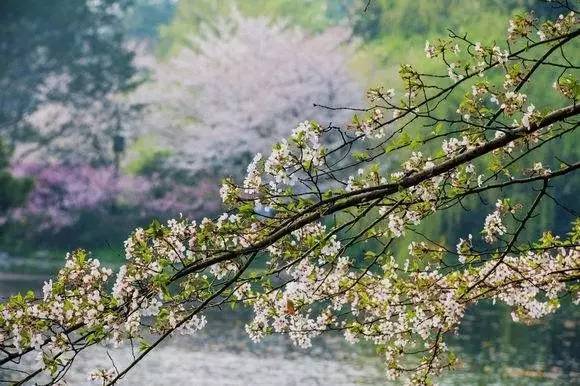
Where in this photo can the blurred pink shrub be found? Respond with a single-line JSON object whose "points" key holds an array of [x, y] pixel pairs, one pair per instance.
{"points": [[62, 192]]}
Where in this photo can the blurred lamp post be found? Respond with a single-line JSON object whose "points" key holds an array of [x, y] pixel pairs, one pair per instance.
{"points": [[118, 143]]}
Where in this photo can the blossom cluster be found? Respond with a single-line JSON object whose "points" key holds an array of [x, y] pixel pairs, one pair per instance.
{"points": [[78, 295], [562, 25], [494, 226]]}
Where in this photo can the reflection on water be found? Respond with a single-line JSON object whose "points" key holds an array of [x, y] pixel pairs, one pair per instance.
{"points": [[494, 349], [500, 351]]}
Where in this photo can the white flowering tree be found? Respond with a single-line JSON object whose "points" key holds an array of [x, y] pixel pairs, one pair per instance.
{"points": [[326, 253], [241, 84]]}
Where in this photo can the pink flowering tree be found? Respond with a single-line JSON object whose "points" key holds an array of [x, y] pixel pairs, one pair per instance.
{"points": [[308, 238], [240, 85], [61, 193]]}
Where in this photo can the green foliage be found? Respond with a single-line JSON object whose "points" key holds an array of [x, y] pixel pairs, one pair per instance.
{"points": [[191, 16], [413, 19], [145, 16], [147, 158], [13, 190]]}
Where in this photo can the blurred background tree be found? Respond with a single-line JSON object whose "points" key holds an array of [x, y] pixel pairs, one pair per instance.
{"points": [[241, 83], [61, 61]]}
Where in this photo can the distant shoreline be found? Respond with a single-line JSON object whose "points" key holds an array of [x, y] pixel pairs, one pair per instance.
{"points": [[16, 276]]}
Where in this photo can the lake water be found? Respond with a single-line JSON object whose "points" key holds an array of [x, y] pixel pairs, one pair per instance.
{"points": [[495, 351]]}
